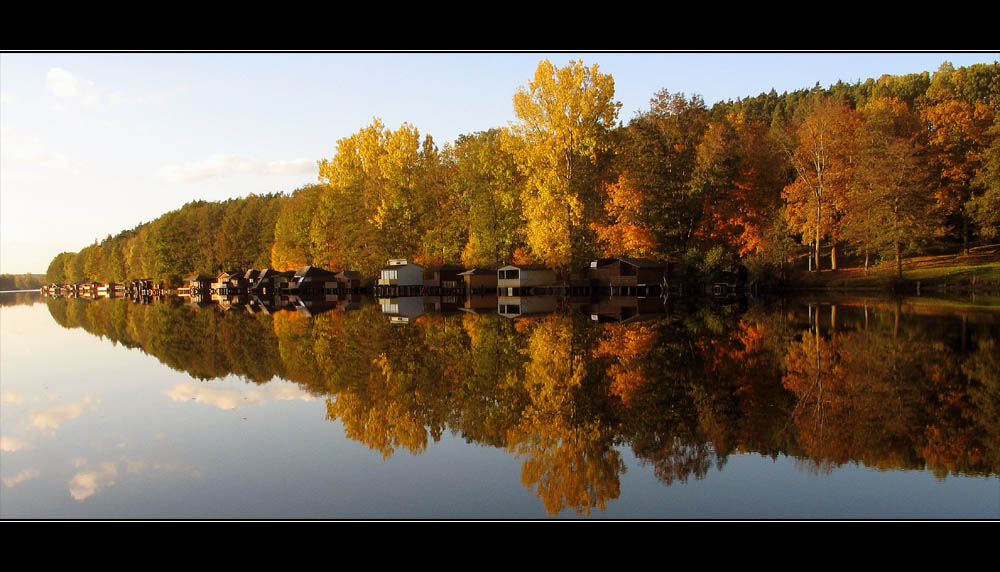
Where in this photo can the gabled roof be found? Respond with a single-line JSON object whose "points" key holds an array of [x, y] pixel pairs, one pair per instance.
{"points": [[525, 267], [477, 272], [637, 262], [398, 266], [198, 278], [444, 267], [312, 271]]}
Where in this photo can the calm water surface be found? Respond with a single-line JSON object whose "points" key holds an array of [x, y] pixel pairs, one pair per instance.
{"points": [[840, 408]]}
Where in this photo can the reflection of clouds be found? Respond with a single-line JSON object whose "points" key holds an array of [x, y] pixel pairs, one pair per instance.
{"points": [[12, 397], [89, 479], [25, 475], [11, 444], [86, 483], [56, 416], [233, 398]]}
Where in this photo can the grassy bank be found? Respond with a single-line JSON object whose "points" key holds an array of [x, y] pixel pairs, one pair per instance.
{"points": [[978, 271]]}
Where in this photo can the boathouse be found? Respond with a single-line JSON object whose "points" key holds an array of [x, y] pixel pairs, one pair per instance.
{"points": [[223, 282], [513, 280], [445, 276], [479, 279], [350, 279], [311, 281], [270, 281], [400, 272], [197, 283], [627, 276]]}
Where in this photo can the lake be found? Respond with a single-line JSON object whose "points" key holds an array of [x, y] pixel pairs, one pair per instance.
{"points": [[835, 407]]}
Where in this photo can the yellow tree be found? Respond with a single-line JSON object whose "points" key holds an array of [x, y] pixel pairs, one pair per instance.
{"points": [[822, 156], [378, 201], [292, 246], [565, 114]]}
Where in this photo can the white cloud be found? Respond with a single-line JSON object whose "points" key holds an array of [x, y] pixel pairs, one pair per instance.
{"points": [[16, 146], [56, 416], [131, 97], [222, 164], [7, 98], [233, 398], [25, 475], [64, 85]]}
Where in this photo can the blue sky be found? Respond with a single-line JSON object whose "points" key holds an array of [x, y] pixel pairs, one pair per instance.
{"points": [[91, 144]]}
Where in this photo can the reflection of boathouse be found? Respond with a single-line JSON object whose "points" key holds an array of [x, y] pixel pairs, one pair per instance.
{"points": [[623, 309], [480, 303], [226, 283], [402, 310], [198, 287], [517, 306], [514, 280]]}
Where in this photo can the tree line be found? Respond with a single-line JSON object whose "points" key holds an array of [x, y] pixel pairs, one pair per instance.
{"points": [[27, 281], [873, 170]]}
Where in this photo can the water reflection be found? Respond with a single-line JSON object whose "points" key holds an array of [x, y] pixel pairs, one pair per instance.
{"points": [[564, 386]]}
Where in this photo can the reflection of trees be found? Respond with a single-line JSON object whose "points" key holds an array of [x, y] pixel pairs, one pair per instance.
{"points": [[489, 396], [399, 393], [709, 387], [21, 298], [886, 395], [570, 461], [869, 384], [983, 367], [626, 345]]}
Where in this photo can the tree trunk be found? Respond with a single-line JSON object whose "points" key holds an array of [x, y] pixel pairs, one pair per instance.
{"points": [[866, 260], [833, 256], [899, 262], [965, 233], [816, 255]]}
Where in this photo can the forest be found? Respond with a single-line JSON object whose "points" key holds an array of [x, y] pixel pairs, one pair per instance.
{"points": [[865, 172]]}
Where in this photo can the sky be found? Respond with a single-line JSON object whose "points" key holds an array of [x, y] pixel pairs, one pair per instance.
{"points": [[95, 143]]}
